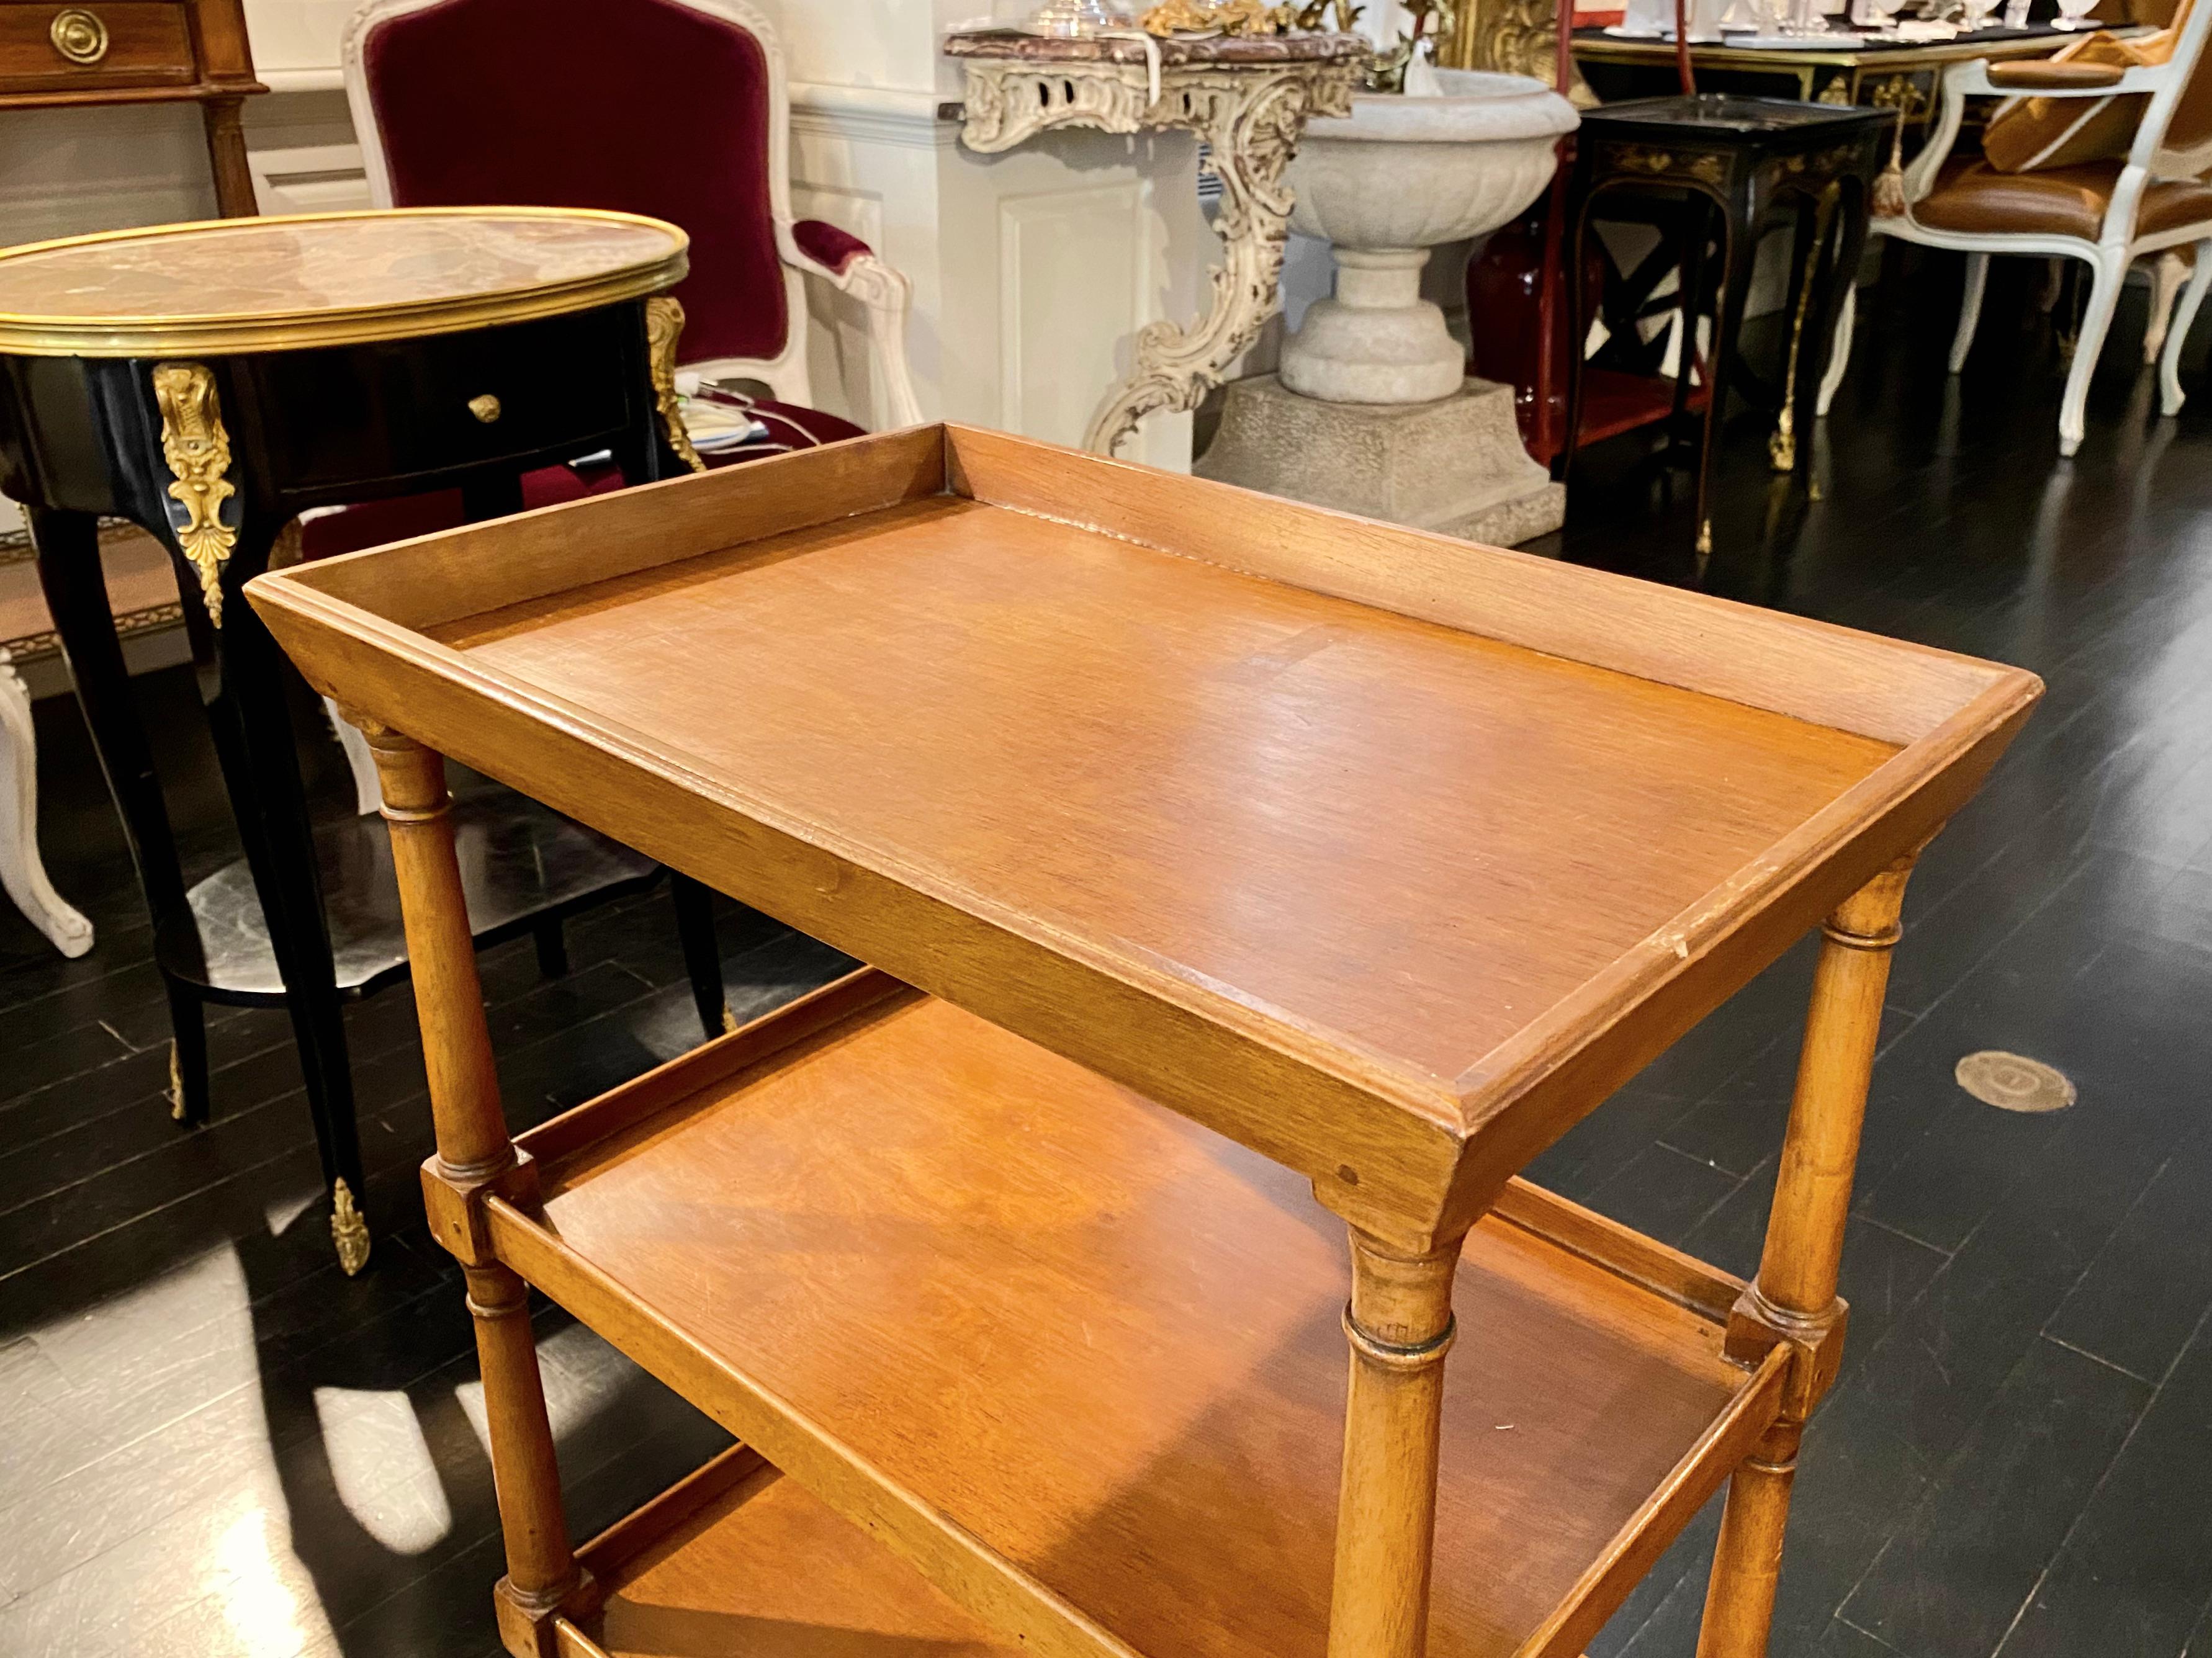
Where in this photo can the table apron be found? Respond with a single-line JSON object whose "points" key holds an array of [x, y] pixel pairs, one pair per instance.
{"points": [[341, 424]]}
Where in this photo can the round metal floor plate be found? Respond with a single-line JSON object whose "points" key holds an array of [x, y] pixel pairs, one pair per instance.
{"points": [[2014, 1084]]}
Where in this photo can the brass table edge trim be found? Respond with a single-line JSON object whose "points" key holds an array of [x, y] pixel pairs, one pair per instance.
{"points": [[127, 338], [231, 333]]}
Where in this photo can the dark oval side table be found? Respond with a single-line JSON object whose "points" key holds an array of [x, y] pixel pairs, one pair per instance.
{"points": [[209, 382]]}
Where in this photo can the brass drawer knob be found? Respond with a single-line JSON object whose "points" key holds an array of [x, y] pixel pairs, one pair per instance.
{"points": [[79, 36], [485, 408]]}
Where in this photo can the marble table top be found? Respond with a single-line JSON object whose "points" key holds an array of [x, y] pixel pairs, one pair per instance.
{"points": [[324, 279]]}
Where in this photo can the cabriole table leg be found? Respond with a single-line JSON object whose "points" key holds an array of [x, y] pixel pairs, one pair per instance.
{"points": [[1796, 1291]]}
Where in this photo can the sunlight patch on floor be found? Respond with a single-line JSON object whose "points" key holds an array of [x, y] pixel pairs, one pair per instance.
{"points": [[382, 1467]]}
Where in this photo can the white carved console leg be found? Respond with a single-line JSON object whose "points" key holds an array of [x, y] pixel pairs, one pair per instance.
{"points": [[1253, 130], [1249, 100], [22, 871]]}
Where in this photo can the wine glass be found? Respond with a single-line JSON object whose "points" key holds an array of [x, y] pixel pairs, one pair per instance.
{"points": [[2075, 15]]}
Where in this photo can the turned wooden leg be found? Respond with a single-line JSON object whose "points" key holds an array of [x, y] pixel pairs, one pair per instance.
{"points": [[464, 1104], [541, 1567], [1400, 1324], [1748, 1560], [1795, 1297], [226, 144], [476, 1158]]}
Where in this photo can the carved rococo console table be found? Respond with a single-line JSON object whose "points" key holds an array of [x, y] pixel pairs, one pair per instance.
{"points": [[1249, 99]]}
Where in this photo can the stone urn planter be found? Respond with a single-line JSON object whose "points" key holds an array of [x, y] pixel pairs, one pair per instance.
{"points": [[1372, 411], [1399, 176]]}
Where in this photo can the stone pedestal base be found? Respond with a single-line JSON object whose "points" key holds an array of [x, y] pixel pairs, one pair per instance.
{"points": [[1455, 465]]}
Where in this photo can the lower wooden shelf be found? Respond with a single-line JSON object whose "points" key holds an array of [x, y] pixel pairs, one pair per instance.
{"points": [[1077, 1362], [739, 1561]]}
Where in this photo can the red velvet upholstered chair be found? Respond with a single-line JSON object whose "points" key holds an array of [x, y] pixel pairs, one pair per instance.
{"points": [[674, 108]]}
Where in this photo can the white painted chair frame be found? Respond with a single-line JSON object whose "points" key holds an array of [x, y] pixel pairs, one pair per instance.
{"points": [[2166, 276], [2116, 247], [23, 873], [884, 291]]}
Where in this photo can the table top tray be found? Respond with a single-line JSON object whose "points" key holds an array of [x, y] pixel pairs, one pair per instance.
{"points": [[1385, 854]]}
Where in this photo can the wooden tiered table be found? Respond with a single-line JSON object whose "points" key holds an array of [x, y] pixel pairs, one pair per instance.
{"points": [[1221, 863]]}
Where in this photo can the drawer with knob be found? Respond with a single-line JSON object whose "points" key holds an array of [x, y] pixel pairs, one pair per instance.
{"points": [[557, 387], [56, 46]]}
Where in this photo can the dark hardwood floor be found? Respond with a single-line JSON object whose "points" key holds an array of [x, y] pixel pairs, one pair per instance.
{"points": [[213, 1443]]}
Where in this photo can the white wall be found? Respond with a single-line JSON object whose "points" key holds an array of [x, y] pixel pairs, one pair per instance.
{"points": [[295, 42]]}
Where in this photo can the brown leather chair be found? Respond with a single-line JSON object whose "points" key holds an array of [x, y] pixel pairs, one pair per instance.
{"points": [[2107, 211]]}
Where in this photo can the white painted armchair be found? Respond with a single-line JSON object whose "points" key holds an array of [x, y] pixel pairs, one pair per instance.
{"points": [[2108, 214]]}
